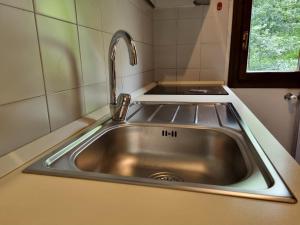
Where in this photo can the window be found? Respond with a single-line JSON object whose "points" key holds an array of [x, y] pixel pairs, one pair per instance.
{"points": [[265, 44]]}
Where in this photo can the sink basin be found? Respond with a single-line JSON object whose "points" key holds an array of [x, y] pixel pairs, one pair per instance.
{"points": [[194, 147], [195, 155]]}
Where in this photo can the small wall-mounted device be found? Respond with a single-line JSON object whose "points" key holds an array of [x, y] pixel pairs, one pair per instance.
{"points": [[219, 6]]}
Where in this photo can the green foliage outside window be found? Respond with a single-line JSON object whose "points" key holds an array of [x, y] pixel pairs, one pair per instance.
{"points": [[275, 35]]}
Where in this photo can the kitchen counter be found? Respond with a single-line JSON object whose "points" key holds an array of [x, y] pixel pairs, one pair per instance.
{"points": [[42, 200]]}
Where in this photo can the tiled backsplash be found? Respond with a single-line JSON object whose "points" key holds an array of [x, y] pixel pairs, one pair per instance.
{"points": [[53, 61], [191, 43], [54, 57]]}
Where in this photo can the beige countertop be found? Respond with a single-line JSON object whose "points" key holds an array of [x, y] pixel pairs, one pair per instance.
{"points": [[41, 200]]}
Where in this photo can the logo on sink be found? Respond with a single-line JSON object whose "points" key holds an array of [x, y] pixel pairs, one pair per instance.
{"points": [[166, 133]]}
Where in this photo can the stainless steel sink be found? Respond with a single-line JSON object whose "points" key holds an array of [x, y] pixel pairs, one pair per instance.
{"points": [[196, 147], [204, 156]]}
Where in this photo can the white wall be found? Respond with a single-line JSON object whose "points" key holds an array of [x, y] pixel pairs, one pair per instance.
{"points": [[274, 112], [190, 43], [53, 61]]}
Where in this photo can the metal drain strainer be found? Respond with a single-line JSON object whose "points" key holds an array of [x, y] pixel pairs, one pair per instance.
{"points": [[166, 176]]}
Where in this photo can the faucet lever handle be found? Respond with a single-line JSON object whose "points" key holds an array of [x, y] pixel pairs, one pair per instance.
{"points": [[123, 102], [124, 99]]}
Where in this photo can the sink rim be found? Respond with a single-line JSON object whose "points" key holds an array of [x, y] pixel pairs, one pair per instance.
{"points": [[278, 192]]}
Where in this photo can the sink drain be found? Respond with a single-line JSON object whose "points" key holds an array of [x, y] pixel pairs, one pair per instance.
{"points": [[166, 176]]}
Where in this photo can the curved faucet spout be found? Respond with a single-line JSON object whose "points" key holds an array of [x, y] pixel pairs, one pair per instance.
{"points": [[112, 67], [129, 43]]}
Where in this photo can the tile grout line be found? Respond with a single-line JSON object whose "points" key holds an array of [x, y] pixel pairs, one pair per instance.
{"points": [[21, 100], [153, 48], [176, 48], [52, 93], [36, 14], [106, 68], [81, 64], [200, 47], [16, 7], [42, 66]]}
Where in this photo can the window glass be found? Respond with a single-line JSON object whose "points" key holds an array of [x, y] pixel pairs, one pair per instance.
{"points": [[274, 43]]}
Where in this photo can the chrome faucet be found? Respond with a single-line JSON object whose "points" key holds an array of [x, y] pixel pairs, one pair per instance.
{"points": [[119, 107]]}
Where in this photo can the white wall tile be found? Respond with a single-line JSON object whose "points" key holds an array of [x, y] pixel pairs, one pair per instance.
{"points": [[69, 95], [213, 31], [146, 57], [212, 56], [95, 96], [212, 74], [23, 4], [146, 24], [148, 77], [190, 12], [189, 31], [22, 122], [106, 41], [165, 57], [188, 56], [123, 14], [134, 23], [60, 54], [132, 83], [110, 15], [88, 13], [144, 6], [165, 75], [20, 65], [92, 56], [165, 32], [119, 86], [65, 107], [188, 74], [60, 9], [215, 25], [196, 28], [165, 14]]}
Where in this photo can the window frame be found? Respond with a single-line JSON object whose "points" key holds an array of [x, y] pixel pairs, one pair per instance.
{"points": [[238, 76]]}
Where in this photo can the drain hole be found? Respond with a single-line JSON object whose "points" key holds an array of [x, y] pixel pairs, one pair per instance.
{"points": [[166, 176]]}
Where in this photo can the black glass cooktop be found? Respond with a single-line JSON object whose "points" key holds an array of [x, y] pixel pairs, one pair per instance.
{"points": [[187, 90]]}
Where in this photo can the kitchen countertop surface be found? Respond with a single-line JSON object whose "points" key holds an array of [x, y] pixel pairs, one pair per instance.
{"points": [[41, 200]]}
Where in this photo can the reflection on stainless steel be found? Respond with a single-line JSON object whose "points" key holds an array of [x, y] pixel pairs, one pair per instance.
{"points": [[114, 106], [169, 145], [197, 155], [121, 108], [201, 91]]}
